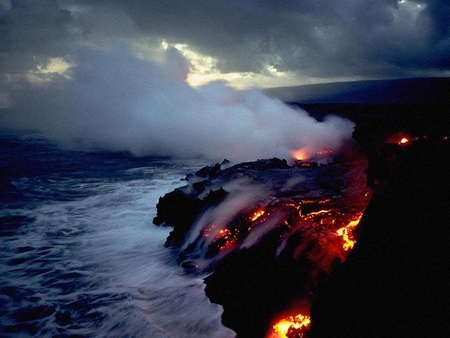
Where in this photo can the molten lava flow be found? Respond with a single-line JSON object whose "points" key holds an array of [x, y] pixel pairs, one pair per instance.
{"points": [[292, 326], [303, 154], [347, 233], [400, 138], [327, 231], [257, 214], [225, 234], [307, 217], [326, 151], [315, 213], [207, 230], [300, 154]]}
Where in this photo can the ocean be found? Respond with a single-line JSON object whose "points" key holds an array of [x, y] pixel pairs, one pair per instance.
{"points": [[79, 255]]}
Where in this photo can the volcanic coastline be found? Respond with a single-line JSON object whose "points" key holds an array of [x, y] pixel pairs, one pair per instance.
{"points": [[393, 281]]}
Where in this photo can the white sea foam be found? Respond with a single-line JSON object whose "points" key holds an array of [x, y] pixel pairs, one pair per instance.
{"points": [[99, 255]]}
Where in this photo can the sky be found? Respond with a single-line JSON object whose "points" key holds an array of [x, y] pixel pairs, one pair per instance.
{"points": [[111, 72], [263, 43]]}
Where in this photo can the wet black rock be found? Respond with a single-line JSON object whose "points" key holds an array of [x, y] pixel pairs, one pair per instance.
{"points": [[179, 210], [253, 283], [182, 206]]}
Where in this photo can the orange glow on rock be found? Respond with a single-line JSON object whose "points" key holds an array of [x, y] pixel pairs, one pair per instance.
{"points": [[326, 151], [300, 154], [286, 327], [257, 214], [401, 139], [320, 212], [347, 234], [303, 154]]}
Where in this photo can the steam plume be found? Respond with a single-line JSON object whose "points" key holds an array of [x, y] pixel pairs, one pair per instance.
{"points": [[116, 101]]}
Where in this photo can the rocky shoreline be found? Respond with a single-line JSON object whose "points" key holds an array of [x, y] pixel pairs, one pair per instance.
{"points": [[391, 284], [268, 231]]}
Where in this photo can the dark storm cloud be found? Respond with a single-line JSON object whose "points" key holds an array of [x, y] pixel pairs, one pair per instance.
{"points": [[321, 38], [31, 32], [314, 37], [115, 100]]}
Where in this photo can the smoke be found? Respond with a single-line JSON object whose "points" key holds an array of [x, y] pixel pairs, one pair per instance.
{"points": [[118, 102]]}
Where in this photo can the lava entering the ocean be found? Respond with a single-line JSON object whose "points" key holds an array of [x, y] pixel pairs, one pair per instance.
{"points": [[330, 225], [305, 216], [305, 154], [296, 326]]}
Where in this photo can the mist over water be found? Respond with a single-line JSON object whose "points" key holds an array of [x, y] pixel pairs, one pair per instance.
{"points": [[116, 101]]}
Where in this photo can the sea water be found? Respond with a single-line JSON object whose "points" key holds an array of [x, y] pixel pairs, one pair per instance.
{"points": [[79, 255]]}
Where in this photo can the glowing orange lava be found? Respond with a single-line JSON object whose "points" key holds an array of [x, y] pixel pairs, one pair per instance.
{"points": [[326, 151], [297, 326], [226, 234], [207, 230], [347, 233], [257, 214], [300, 154], [315, 213], [303, 154], [324, 223], [287, 326]]}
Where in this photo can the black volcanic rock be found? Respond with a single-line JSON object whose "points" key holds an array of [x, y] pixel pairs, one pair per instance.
{"points": [[179, 210], [395, 282], [261, 267], [182, 206], [253, 286]]}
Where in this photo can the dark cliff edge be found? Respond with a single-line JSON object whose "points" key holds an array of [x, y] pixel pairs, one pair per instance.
{"points": [[393, 283]]}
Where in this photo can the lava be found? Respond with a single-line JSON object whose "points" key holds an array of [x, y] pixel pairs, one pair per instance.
{"points": [[307, 217], [400, 138], [325, 152], [300, 154], [304, 155], [322, 221], [207, 230], [292, 326], [332, 229], [347, 233], [320, 212], [257, 214]]}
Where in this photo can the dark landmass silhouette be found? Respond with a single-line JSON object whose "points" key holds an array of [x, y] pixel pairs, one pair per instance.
{"points": [[395, 91], [394, 282]]}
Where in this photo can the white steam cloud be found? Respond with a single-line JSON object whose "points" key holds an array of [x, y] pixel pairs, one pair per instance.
{"points": [[242, 194], [116, 101]]}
